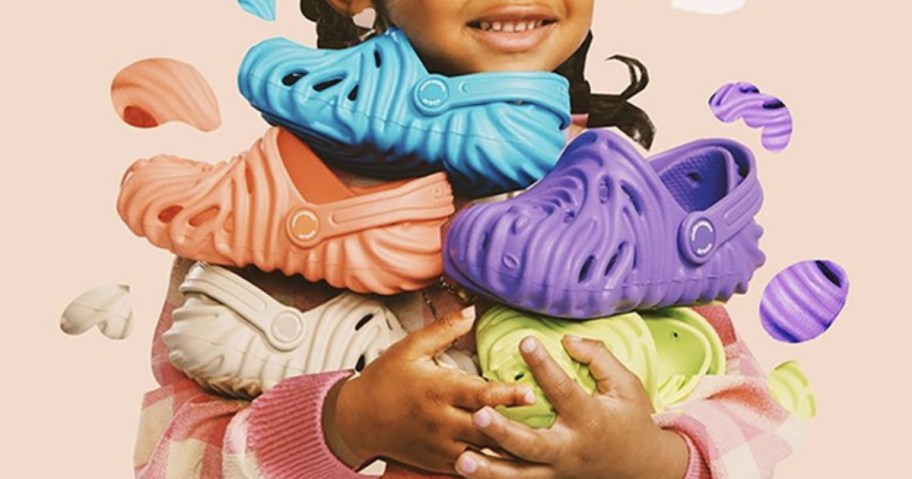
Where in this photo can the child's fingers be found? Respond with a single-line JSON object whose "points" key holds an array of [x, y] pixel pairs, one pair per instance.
{"points": [[473, 393], [605, 368], [478, 466], [567, 397], [437, 456], [442, 458], [438, 336], [532, 445], [464, 430]]}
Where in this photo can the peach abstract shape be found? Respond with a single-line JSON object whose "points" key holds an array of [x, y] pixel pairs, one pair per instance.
{"points": [[712, 7], [154, 91], [106, 306]]}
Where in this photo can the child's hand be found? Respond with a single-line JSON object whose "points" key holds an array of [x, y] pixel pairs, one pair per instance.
{"points": [[405, 407], [608, 435]]}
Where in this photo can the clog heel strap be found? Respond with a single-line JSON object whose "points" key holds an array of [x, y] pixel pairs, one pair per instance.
{"points": [[282, 326], [702, 232], [340, 212], [438, 94]]}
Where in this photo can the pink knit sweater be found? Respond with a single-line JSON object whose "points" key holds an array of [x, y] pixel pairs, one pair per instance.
{"points": [[732, 426]]}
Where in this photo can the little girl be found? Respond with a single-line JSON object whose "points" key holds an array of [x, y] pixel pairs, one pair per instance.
{"points": [[419, 416]]}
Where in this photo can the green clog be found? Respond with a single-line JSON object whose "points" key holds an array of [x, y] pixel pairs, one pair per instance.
{"points": [[500, 330], [688, 348]]}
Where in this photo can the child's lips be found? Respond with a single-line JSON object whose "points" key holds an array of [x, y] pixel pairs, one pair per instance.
{"points": [[512, 36]]}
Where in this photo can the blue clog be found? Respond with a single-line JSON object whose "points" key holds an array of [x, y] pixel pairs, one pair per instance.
{"points": [[375, 109]]}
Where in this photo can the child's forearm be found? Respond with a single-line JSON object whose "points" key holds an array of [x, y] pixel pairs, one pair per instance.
{"points": [[331, 430]]}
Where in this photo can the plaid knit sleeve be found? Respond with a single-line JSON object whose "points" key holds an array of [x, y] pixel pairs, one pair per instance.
{"points": [[735, 429], [190, 433]]}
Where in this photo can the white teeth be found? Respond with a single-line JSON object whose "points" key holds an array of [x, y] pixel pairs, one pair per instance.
{"points": [[510, 27]]}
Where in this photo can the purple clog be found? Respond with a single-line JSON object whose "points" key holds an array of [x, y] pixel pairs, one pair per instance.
{"points": [[608, 231]]}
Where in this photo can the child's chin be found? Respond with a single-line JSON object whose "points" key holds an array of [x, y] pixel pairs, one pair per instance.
{"points": [[514, 62]]}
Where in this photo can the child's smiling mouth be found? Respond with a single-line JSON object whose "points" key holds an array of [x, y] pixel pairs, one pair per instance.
{"points": [[513, 29], [510, 26]]}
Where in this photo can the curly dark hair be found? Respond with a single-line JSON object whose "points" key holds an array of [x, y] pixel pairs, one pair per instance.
{"points": [[336, 30]]}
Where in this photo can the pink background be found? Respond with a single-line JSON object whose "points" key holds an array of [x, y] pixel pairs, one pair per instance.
{"points": [[840, 191]]}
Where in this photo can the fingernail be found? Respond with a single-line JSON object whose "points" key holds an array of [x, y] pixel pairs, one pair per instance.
{"points": [[468, 313], [573, 339], [529, 396], [483, 418], [466, 465], [528, 345]]}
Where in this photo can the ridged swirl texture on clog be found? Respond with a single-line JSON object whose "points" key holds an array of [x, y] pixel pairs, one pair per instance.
{"points": [[595, 237], [217, 347], [355, 108], [801, 302], [738, 100], [500, 331], [234, 213]]}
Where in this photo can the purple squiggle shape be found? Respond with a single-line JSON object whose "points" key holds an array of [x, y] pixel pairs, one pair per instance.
{"points": [[759, 110], [802, 301]]}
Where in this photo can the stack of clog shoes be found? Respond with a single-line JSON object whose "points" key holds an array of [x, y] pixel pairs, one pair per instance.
{"points": [[608, 232], [602, 232], [297, 201]]}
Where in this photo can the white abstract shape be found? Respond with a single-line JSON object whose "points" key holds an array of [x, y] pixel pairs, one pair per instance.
{"points": [[107, 306], [264, 9], [712, 7]]}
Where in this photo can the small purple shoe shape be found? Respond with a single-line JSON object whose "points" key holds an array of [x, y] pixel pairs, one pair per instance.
{"points": [[607, 231], [803, 300]]}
